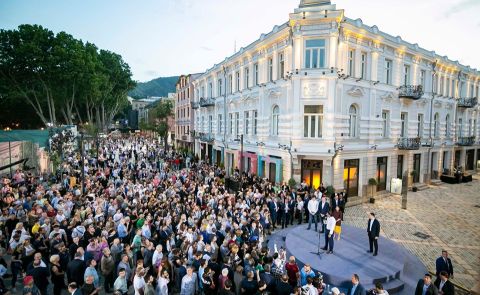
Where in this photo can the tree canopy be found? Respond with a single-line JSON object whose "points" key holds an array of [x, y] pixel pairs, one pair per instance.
{"points": [[64, 80]]}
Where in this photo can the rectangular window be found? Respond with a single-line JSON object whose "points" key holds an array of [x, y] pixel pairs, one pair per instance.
{"points": [[470, 127], [219, 124], [246, 123], [247, 78], [385, 123], [471, 91], [202, 124], [237, 81], [406, 75], [230, 119], [363, 68], [404, 125], [281, 66], [422, 78], [210, 89], [442, 86], [255, 122], [476, 92], [230, 84], [388, 71], [210, 124], [420, 126], [460, 127], [237, 123], [315, 54], [219, 88], [351, 62], [255, 74], [448, 88], [270, 69], [313, 121]]}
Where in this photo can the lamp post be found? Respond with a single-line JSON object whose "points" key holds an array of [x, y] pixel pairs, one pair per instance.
{"points": [[429, 168], [240, 138], [82, 162]]}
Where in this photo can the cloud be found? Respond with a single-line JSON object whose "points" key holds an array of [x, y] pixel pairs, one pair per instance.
{"points": [[206, 48], [462, 6], [151, 73]]}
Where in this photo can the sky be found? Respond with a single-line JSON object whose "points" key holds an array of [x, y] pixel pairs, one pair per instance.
{"points": [[160, 38]]}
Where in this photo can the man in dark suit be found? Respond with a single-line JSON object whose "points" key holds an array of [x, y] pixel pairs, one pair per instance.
{"points": [[444, 286], [444, 263], [73, 289], [356, 288], [373, 230], [425, 286], [74, 268], [323, 209], [273, 207]]}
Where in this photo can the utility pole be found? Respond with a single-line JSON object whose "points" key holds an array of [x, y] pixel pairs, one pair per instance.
{"points": [[430, 146]]}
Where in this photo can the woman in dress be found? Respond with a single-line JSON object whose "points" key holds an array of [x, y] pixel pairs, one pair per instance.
{"points": [[57, 275]]}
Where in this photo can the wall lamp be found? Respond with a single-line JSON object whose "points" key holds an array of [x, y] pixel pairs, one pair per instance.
{"points": [[374, 147], [284, 147], [358, 80], [339, 148], [376, 82], [260, 143]]}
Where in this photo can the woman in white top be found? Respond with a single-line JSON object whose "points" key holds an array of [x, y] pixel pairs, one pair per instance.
{"points": [[139, 281]]}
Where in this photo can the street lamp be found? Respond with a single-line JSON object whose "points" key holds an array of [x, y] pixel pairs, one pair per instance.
{"points": [[240, 138], [289, 149]]}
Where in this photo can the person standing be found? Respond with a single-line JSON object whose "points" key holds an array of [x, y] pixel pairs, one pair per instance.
{"points": [[323, 209], [444, 286], [329, 233], [337, 214], [312, 210], [189, 283], [373, 230], [444, 263], [425, 286], [356, 288], [107, 267], [58, 275], [300, 209]]}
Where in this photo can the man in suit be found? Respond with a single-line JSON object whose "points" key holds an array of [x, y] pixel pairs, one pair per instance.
{"points": [[73, 289], [373, 230], [323, 209], [425, 286], [76, 269], [444, 263], [356, 288], [444, 286], [312, 211], [273, 207]]}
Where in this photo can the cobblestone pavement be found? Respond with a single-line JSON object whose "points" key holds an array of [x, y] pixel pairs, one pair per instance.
{"points": [[446, 214]]}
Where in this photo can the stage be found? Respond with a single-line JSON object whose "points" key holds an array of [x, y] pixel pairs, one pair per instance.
{"points": [[394, 266]]}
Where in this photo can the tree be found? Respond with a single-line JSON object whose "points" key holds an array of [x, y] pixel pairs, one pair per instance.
{"points": [[158, 119]]}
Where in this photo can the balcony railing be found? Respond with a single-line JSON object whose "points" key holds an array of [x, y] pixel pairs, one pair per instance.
{"points": [[195, 105], [206, 137], [207, 102], [466, 141], [467, 102], [409, 143], [410, 91]]}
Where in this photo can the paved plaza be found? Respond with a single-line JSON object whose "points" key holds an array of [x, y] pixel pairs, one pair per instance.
{"points": [[447, 215]]}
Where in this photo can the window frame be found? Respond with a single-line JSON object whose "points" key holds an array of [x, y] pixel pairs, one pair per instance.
{"points": [[321, 54], [317, 127], [353, 121]]}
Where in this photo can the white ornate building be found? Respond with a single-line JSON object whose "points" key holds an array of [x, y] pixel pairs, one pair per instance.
{"points": [[329, 99]]}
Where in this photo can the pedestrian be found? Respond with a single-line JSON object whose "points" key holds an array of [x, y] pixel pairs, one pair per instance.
{"points": [[58, 275], [329, 233], [107, 267], [312, 211], [373, 230], [425, 286], [444, 263], [443, 284], [356, 288]]}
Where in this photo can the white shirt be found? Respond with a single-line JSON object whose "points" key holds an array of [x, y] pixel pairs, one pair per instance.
{"points": [[331, 222], [138, 283], [371, 223], [313, 206]]}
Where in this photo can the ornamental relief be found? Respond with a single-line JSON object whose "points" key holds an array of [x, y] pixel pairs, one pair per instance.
{"points": [[315, 89], [356, 91]]}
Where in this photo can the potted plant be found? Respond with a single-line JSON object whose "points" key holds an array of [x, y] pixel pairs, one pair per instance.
{"points": [[372, 182], [292, 183], [414, 175], [330, 190]]}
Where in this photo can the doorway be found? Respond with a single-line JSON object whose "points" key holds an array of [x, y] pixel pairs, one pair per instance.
{"points": [[350, 176], [470, 160], [312, 172], [381, 173], [457, 159], [218, 157], [272, 172], [400, 166], [416, 167]]}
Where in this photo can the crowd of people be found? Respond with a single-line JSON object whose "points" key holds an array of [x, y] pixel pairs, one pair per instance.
{"points": [[143, 220]]}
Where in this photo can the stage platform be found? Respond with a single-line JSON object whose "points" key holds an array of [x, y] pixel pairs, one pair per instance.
{"points": [[394, 267]]}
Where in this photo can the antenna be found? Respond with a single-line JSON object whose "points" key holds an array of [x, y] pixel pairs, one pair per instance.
{"points": [[235, 46]]}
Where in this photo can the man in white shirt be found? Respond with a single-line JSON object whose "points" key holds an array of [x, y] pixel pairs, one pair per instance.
{"points": [[312, 210], [330, 226]]}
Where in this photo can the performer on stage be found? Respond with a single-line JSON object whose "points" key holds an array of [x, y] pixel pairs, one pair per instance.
{"points": [[330, 228], [373, 230]]}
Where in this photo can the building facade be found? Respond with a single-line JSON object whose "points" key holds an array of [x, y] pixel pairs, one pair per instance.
{"points": [[184, 115], [325, 98]]}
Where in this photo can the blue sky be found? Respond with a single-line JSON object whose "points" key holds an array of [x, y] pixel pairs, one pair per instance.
{"points": [[172, 37]]}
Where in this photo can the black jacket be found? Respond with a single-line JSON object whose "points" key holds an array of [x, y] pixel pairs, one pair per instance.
{"points": [[432, 290], [75, 271], [375, 232], [448, 287]]}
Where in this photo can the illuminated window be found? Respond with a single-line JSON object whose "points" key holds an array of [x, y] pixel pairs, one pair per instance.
{"points": [[315, 53]]}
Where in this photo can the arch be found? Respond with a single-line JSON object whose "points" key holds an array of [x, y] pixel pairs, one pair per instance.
{"points": [[353, 121], [275, 119]]}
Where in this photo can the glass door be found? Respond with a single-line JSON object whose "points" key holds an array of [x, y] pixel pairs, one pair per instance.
{"points": [[381, 173], [400, 166], [416, 167], [350, 177], [272, 171], [312, 172]]}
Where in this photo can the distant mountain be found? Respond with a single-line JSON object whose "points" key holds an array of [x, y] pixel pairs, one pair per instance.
{"points": [[156, 87]]}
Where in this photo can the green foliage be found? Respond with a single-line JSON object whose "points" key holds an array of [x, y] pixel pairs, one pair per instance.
{"points": [[413, 173], [64, 80], [372, 181], [292, 182], [330, 190], [156, 87]]}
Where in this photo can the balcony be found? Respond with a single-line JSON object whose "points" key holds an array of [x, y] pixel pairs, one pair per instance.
{"points": [[410, 91], [206, 137], [467, 102], [195, 105], [207, 102], [466, 141], [409, 143]]}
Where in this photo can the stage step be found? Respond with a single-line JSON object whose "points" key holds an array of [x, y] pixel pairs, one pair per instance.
{"points": [[392, 287], [436, 182]]}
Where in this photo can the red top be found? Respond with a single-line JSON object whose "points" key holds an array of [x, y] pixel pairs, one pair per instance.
{"points": [[292, 270]]}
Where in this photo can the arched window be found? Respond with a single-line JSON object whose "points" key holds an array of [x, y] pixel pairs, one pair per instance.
{"points": [[436, 125], [447, 126], [353, 121], [275, 119]]}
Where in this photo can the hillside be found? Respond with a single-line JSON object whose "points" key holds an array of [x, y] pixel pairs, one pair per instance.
{"points": [[156, 87]]}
